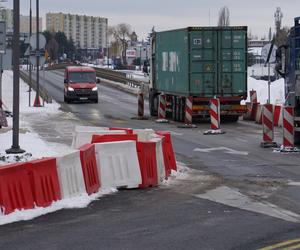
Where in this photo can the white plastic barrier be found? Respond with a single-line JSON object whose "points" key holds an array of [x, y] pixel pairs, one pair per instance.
{"points": [[83, 135], [70, 175], [118, 164], [144, 134], [161, 173]]}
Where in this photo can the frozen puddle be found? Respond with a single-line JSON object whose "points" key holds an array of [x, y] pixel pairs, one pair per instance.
{"points": [[234, 198]]}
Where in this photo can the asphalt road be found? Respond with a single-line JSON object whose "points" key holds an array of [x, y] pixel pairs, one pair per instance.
{"points": [[238, 195]]}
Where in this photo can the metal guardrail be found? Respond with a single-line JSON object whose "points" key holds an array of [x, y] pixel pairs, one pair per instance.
{"points": [[43, 92]]}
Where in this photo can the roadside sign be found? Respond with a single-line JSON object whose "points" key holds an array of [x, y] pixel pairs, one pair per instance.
{"points": [[42, 41], [265, 51], [27, 52], [2, 37]]}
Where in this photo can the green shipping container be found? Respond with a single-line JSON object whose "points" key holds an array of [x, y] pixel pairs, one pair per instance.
{"points": [[201, 61]]}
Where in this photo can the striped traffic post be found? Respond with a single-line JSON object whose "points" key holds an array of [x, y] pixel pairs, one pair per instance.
{"points": [[253, 96], [162, 107], [215, 113], [189, 110], [268, 126], [288, 127], [140, 104]]}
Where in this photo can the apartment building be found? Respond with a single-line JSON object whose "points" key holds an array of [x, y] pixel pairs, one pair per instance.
{"points": [[87, 32]]}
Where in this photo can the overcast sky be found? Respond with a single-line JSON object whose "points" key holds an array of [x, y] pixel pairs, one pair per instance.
{"points": [[258, 15]]}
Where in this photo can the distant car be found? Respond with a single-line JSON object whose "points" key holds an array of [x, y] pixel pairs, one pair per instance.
{"points": [[80, 84]]}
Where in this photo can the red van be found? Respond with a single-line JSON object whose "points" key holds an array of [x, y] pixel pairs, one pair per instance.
{"points": [[80, 84]]}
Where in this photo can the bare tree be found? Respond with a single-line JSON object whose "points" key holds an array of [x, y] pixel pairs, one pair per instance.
{"points": [[224, 17], [121, 34], [278, 19]]}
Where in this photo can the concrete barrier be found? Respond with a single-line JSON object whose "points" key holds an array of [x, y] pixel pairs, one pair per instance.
{"points": [[70, 175], [118, 164], [83, 134]]}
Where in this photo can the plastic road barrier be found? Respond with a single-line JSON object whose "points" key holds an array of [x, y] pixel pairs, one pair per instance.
{"points": [[288, 126], [44, 181], [189, 110], [89, 168], [258, 116], [118, 164], [15, 188], [276, 114], [162, 107], [169, 156], [161, 173], [148, 164], [111, 138], [267, 121], [128, 130], [144, 134], [214, 110], [83, 137], [70, 175]]}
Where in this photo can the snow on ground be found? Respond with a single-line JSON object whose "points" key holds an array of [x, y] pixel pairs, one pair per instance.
{"points": [[261, 87]]}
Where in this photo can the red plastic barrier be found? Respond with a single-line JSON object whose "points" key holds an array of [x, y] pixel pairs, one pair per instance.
{"points": [[169, 156], [89, 168], [254, 108], [129, 131], [15, 188], [115, 137], [44, 181], [147, 159], [276, 113]]}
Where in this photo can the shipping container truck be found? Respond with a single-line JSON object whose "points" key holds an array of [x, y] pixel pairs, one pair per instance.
{"points": [[202, 63], [288, 66]]}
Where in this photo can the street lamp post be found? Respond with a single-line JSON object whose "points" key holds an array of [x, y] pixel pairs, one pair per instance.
{"points": [[15, 148]]}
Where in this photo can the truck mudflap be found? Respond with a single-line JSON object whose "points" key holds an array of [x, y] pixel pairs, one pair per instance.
{"points": [[234, 109]]}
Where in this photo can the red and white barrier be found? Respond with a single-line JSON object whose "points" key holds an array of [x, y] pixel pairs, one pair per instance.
{"points": [[161, 172], [288, 126], [214, 113], [253, 96], [144, 134], [189, 110], [268, 126], [258, 117], [70, 175], [162, 107], [118, 164], [140, 104]]}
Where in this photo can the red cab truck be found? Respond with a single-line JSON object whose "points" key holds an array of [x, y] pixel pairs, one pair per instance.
{"points": [[80, 84]]}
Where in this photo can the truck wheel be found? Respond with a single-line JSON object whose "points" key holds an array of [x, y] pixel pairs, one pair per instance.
{"points": [[153, 103]]}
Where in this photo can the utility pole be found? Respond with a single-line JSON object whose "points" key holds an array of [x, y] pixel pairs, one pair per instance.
{"points": [[30, 65], [37, 98], [15, 148]]}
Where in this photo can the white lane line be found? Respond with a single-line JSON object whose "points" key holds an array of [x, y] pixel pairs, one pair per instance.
{"points": [[175, 133], [234, 198], [294, 183], [225, 149]]}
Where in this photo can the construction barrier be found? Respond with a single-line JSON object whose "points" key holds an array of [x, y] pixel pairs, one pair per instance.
{"points": [[169, 156], [70, 175], [82, 137], [89, 168], [288, 126], [148, 164], [127, 130], [161, 172], [258, 116], [189, 110], [276, 114], [111, 138], [44, 181], [253, 96], [144, 134], [162, 106], [15, 188], [140, 104], [118, 164], [214, 113]]}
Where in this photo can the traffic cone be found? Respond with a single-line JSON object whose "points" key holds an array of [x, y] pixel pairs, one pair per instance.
{"points": [[37, 102]]}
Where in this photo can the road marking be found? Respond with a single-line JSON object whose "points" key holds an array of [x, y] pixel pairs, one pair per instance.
{"points": [[234, 198], [175, 133], [227, 150], [283, 244], [293, 183]]}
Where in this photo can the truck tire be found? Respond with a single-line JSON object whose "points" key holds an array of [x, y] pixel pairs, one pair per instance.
{"points": [[153, 103]]}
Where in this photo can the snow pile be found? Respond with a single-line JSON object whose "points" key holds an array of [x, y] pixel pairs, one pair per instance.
{"points": [[182, 173], [77, 202], [261, 87]]}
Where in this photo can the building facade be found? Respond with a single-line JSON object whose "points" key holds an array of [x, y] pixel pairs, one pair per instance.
{"points": [[87, 32], [7, 16]]}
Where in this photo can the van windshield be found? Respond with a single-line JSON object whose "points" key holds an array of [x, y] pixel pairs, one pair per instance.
{"points": [[82, 77]]}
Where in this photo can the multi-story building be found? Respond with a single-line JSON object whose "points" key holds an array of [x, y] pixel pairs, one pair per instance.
{"points": [[87, 32], [7, 16]]}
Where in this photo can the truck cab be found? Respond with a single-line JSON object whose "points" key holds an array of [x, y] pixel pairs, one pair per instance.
{"points": [[80, 84]]}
